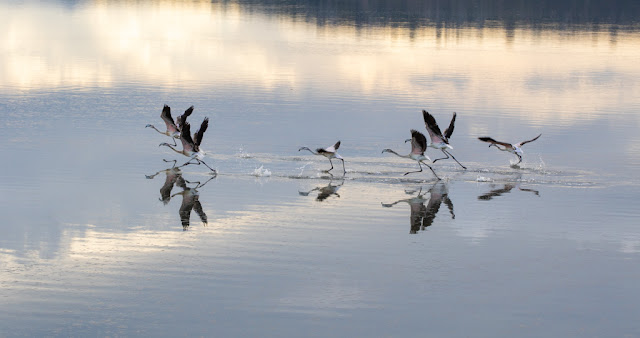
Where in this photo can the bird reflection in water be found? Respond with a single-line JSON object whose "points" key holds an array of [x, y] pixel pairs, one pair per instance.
{"points": [[422, 215], [190, 201], [506, 188], [190, 195], [172, 175], [324, 192]]}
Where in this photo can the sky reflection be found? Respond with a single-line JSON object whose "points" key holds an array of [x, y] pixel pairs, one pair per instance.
{"points": [[217, 46]]}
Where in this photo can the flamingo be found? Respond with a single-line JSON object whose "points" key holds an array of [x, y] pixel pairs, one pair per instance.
{"points": [[328, 152], [418, 146], [173, 128], [512, 148], [191, 146], [439, 141]]}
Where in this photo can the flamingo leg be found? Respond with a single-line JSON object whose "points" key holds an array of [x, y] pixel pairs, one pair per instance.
{"points": [[331, 166], [442, 158], [434, 173], [186, 164], [417, 171], [201, 161], [174, 162], [448, 153], [344, 171]]}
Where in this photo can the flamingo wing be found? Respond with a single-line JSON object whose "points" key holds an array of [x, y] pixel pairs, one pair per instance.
{"points": [[418, 142], [525, 142], [185, 138], [200, 133], [331, 149], [449, 130], [168, 120], [490, 140], [432, 127], [183, 118]]}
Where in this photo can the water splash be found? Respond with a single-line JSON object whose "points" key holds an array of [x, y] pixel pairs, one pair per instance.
{"points": [[483, 179], [261, 172], [242, 153], [302, 168]]}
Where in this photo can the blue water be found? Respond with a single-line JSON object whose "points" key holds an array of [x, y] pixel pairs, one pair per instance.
{"points": [[93, 245]]}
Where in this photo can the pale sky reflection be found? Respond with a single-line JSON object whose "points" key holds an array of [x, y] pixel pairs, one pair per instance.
{"points": [[204, 45]]}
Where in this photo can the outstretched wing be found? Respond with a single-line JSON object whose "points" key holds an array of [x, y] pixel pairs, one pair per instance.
{"points": [[183, 118], [197, 137], [449, 131], [525, 142], [418, 142], [168, 119], [331, 149], [185, 137], [432, 127], [490, 140]]}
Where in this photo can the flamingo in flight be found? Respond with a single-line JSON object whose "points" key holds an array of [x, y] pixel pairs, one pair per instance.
{"points": [[512, 148], [191, 146], [328, 152], [173, 127], [418, 147], [438, 140]]}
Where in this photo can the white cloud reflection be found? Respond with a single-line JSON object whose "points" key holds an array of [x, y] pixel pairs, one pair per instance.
{"points": [[203, 45]]}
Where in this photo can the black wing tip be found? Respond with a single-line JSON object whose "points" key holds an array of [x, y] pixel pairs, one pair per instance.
{"points": [[486, 139], [188, 111]]}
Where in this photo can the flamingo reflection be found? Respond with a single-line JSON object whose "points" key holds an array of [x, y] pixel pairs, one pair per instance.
{"points": [[324, 192], [190, 201], [172, 175], [422, 215], [506, 188]]}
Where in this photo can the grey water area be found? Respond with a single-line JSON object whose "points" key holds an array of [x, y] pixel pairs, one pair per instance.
{"points": [[102, 235]]}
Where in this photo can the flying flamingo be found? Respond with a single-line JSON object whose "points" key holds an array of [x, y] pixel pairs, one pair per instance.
{"points": [[512, 148], [191, 146], [418, 146], [328, 152], [439, 141], [173, 127]]}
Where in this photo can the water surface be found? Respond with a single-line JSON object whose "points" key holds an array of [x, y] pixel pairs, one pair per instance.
{"points": [[102, 237]]}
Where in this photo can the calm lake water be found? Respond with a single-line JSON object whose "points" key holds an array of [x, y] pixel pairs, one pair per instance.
{"points": [[102, 237]]}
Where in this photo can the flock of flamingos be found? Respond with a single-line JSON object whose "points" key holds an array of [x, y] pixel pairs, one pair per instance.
{"points": [[181, 129]]}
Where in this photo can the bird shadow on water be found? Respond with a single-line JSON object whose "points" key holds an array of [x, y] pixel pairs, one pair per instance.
{"points": [[422, 216], [190, 194], [324, 191]]}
